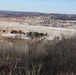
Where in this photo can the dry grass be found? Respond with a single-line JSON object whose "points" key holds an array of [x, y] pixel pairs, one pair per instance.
{"points": [[38, 57]]}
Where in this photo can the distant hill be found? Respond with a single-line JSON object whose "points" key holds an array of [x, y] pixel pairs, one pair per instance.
{"points": [[63, 16], [19, 14], [51, 16]]}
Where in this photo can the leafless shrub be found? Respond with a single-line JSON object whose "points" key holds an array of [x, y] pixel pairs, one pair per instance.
{"points": [[39, 57]]}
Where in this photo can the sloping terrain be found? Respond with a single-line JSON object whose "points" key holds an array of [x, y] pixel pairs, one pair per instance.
{"points": [[51, 31], [55, 25], [41, 19]]}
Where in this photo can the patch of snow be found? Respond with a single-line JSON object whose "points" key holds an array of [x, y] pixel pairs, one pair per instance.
{"points": [[51, 31], [16, 36]]}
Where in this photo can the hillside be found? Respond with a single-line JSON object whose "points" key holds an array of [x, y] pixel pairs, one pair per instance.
{"points": [[54, 25], [52, 32], [34, 43], [39, 19]]}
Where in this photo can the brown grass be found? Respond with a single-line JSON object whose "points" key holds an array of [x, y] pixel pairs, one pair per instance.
{"points": [[38, 58]]}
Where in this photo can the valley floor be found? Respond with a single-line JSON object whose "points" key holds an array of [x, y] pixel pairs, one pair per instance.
{"points": [[51, 31]]}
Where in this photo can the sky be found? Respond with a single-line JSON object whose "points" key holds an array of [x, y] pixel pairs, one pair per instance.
{"points": [[44, 6]]}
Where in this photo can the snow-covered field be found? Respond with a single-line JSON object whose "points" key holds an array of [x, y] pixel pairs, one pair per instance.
{"points": [[51, 31], [15, 36]]}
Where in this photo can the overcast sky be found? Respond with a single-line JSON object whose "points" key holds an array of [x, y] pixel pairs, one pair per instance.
{"points": [[46, 6]]}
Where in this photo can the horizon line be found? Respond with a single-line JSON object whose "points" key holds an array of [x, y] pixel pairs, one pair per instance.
{"points": [[38, 12]]}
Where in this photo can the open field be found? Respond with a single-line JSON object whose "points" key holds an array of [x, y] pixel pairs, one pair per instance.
{"points": [[51, 31]]}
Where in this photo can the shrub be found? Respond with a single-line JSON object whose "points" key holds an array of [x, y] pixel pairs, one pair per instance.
{"points": [[39, 58], [36, 34], [17, 32], [4, 31], [14, 32]]}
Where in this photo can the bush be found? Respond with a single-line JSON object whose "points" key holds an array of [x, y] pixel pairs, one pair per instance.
{"points": [[4, 31], [39, 58], [14, 32], [36, 34], [17, 32]]}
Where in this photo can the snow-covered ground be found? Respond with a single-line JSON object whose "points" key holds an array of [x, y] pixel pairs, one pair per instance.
{"points": [[51, 31], [15, 36]]}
